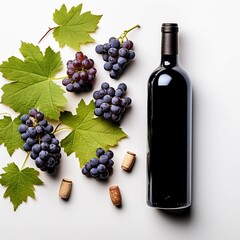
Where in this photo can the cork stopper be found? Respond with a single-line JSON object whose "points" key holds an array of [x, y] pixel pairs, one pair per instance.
{"points": [[128, 161], [115, 195], [65, 188]]}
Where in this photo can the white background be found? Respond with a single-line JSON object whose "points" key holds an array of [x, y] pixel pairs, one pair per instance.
{"points": [[209, 47]]}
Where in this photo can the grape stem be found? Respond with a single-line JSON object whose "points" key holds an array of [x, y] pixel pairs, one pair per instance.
{"points": [[25, 160], [125, 32], [61, 129], [49, 30]]}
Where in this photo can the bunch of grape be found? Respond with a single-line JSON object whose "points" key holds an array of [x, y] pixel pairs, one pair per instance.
{"points": [[111, 103], [116, 55], [40, 140], [101, 167], [81, 74]]}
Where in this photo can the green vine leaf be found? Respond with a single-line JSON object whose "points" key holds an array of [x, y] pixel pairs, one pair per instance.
{"points": [[74, 27], [32, 84], [88, 133], [9, 135], [19, 183]]}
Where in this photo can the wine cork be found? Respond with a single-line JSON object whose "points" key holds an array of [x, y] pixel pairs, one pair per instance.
{"points": [[65, 188], [115, 195], [128, 161]]}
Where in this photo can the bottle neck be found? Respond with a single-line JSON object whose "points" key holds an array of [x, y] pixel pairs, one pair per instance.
{"points": [[169, 49], [169, 61]]}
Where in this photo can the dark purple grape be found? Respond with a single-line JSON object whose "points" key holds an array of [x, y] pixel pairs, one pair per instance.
{"points": [[99, 49], [100, 152], [107, 66], [115, 43]]}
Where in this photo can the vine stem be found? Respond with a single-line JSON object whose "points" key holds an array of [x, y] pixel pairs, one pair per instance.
{"points": [[25, 160], [61, 129], [125, 32], [49, 30]]}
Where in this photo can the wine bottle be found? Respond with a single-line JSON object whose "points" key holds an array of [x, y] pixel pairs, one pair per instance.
{"points": [[169, 159]]}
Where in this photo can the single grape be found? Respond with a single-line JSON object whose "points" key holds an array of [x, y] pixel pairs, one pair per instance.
{"points": [[98, 112], [115, 109], [113, 52], [122, 61], [76, 76], [92, 71], [79, 56], [39, 162], [115, 43], [112, 60], [46, 138], [106, 47], [39, 116], [101, 168], [49, 128], [105, 57], [122, 86], [129, 100], [76, 86], [43, 154], [85, 171], [33, 155], [100, 152], [109, 153], [44, 146], [29, 123], [104, 159], [113, 74], [94, 162], [94, 172], [39, 129], [107, 66], [50, 162], [88, 166], [26, 147], [99, 49], [105, 107], [116, 118], [131, 54], [31, 131], [32, 112], [111, 91], [104, 175], [119, 92], [107, 99], [22, 128], [116, 100], [96, 95], [110, 163], [31, 141], [104, 85], [43, 123], [123, 52], [55, 141], [70, 87], [24, 136], [107, 115], [36, 148], [24, 118], [117, 68], [127, 44], [83, 75]]}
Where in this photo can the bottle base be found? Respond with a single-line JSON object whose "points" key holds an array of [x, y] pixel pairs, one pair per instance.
{"points": [[180, 206]]}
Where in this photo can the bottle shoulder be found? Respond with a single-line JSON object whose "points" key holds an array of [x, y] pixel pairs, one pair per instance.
{"points": [[164, 75]]}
